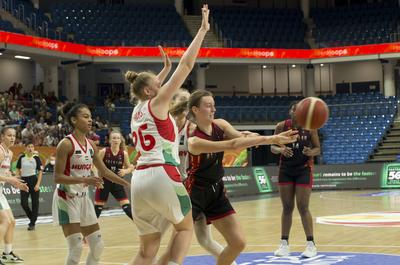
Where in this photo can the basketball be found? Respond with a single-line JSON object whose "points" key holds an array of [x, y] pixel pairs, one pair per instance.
{"points": [[311, 113]]}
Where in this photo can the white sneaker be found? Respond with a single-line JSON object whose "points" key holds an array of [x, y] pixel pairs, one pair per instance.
{"points": [[283, 250], [311, 250]]}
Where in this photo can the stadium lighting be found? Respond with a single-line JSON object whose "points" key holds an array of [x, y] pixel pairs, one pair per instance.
{"points": [[22, 57], [264, 66], [293, 65], [321, 64], [1, 53]]}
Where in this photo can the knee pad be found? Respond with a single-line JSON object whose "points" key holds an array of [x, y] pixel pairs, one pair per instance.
{"points": [[74, 249], [96, 244]]}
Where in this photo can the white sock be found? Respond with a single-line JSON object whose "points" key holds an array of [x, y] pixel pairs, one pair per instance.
{"points": [[172, 263], [7, 248]]}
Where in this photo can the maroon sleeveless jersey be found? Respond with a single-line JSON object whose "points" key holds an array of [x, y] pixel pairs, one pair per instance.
{"points": [[114, 162], [207, 168], [298, 159]]}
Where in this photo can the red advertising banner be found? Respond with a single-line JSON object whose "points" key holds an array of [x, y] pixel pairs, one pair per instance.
{"points": [[245, 53]]}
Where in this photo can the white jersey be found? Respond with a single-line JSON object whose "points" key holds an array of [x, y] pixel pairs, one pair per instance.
{"points": [[79, 164], [5, 166], [156, 140], [184, 150]]}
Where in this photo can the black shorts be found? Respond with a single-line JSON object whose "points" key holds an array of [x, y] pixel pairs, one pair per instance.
{"points": [[115, 189], [299, 176], [210, 201]]}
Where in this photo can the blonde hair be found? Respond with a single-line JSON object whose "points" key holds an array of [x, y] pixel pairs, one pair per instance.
{"points": [[137, 82], [122, 145]]}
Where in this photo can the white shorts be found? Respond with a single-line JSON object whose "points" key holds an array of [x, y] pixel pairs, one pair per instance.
{"points": [[3, 202], [70, 210], [158, 198]]}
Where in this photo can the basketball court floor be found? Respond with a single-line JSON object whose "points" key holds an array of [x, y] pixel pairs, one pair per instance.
{"points": [[351, 227]]}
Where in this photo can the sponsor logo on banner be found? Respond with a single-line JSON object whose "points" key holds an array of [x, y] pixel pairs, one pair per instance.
{"points": [[323, 258], [373, 219], [391, 176], [47, 44], [262, 180]]}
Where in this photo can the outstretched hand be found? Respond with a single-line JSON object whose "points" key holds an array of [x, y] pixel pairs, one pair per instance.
{"points": [[165, 57], [205, 12]]}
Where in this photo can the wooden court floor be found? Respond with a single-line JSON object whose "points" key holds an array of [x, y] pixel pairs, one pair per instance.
{"points": [[260, 218]]}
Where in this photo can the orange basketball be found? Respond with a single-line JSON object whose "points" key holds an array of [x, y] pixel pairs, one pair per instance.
{"points": [[311, 113]]}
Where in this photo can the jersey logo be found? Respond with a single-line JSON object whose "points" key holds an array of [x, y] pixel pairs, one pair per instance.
{"points": [[78, 152], [138, 115], [182, 140]]}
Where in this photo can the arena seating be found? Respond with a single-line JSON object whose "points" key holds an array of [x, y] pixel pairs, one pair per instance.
{"points": [[356, 125], [130, 25], [33, 18], [259, 27], [357, 25]]}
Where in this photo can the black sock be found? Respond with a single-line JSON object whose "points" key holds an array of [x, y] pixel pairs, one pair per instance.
{"points": [[98, 209], [310, 238], [285, 238], [127, 209]]}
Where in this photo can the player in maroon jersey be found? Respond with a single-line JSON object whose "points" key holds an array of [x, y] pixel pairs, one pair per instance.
{"points": [[295, 181], [116, 159], [207, 143]]}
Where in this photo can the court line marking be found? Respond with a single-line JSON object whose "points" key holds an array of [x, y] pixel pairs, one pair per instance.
{"points": [[200, 255], [248, 245], [323, 196]]}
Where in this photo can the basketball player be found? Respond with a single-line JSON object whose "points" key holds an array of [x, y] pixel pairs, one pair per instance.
{"points": [[179, 111], [7, 221], [295, 182], [72, 207], [116, 159], [155, 137], [207, 143]]}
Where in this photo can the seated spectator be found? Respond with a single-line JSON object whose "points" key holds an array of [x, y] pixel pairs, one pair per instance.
{"points": [[14, 114], [49, 166]]}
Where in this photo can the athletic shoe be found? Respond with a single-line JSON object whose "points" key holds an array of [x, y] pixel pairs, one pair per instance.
{"points": [[31, 227], [311, 250], [11, 258], [283, 250]]}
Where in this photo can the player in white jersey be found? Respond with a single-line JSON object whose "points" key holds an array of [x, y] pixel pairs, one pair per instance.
{"points": [[7, 221], [155, 136], [72, 207]]}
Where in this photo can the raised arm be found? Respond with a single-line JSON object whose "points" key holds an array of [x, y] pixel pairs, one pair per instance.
{"points": [[197, 145], [160, 104], [167, 66]]}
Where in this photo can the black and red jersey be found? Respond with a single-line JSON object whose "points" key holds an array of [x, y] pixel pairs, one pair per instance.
{"points": [[207, 168], [114, 162], [298, 158]]}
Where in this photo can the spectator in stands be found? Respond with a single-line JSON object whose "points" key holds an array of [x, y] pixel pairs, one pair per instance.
{"points": [[3, 118], [27, 132], [3, 102], [51, 161], [13, 89], [19, 91], [50, 139], [14, 114]]}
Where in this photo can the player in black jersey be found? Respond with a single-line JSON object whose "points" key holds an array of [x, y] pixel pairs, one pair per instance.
{"points": [[207, 143], [295, 181], [116, 159]]}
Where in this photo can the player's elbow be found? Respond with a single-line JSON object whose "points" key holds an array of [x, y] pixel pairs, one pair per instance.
{"points": [[193, 145]]}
